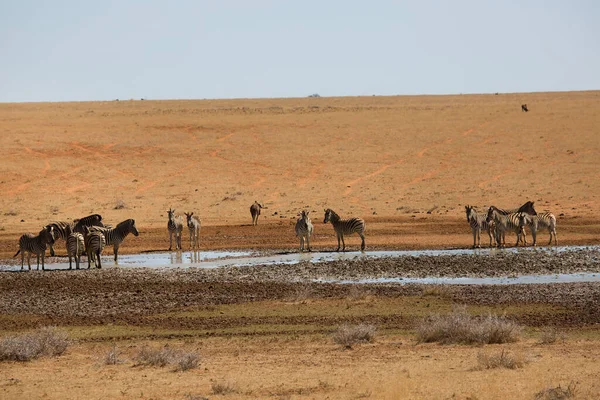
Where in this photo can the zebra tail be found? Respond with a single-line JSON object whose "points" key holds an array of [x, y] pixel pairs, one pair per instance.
{"points": [[17, 253]]}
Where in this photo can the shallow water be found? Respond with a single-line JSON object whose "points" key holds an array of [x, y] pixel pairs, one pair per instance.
{"points": [[215, 259]]}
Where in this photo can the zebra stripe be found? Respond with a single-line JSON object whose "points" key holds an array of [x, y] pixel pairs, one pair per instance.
{"points": [[544, 220], [304, 230], [89, 221], [255, 212], [35, 245], [477, 222], [115, 236], [94, 244], [525, 208], [62, 230], [514, 222], [75, 248], [174, 226], [345, 227], [193, 224]]}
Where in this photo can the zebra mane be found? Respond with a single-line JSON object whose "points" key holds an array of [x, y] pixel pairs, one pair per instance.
{"points": [[127, 222]]}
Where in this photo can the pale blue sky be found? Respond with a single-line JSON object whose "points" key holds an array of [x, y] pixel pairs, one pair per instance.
{"points": [[101, 50]]}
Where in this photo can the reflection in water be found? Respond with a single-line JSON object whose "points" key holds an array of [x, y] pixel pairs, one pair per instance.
{"points": [[176, 257]]}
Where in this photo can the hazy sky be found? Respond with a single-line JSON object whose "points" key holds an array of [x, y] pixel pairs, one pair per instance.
{"points": [[103, 50]]}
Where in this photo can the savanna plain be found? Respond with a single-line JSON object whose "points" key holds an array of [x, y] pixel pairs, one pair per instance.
{"points": [[408, 165]]}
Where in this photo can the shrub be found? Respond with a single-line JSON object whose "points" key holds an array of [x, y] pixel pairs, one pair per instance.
{"points": [[112, 356], [557, 393], [185, 361], [461, 327], [47, 341], [551, 335], [182, 361], [119, 205], [347, 335], [502, 360], [223, 388]]}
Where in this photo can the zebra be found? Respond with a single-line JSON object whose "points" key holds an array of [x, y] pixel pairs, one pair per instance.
{"points": [[255, 211], [345, 227], [508, 222], [526, 208], [193, 224], [75, 248], [36, 245], [117, 235], [175, 226], [94, 244], [62, 230], [543, 220], [90, 220], [478, 222], [304, 230]]}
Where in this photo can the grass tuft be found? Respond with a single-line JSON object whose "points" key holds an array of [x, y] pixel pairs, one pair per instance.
{"points": [[348, 335], [180, 360], [112, 356], [186, 361], [223, 388], [501, 360], [47, 341], [551, 335], [461, 327], [557, 393]]}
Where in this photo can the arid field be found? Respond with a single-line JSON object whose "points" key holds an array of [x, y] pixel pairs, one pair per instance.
{"points": [[408, 165]]}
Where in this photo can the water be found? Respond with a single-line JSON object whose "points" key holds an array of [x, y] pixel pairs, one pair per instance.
{"points": [[215, 259]]}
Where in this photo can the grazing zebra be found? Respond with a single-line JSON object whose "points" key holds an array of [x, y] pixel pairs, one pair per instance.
{"points": [[304, 230], [255, 211], [175, 226], [75, 248], [508, 222], [478, 222], [94, 245], [544, 220], [193, 224], [35, 245], [117, 235], [89, 221], [345, 227], [62, 230]]}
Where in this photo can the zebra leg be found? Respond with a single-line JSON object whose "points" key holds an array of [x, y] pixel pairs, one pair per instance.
{"points": [[23, 260], [490, 235], [99, 263], [52, 251], [343, 243], [308, 243], [362, 245], [474, 231], [170, 240], [116, 251], [70, 265], [338, 248], [38, 262], [478, 237], [43, 257], [29, 260]]}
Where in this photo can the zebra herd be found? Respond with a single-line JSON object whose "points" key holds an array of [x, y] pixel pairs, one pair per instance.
{"points": [[496, 222], [87, 235]]}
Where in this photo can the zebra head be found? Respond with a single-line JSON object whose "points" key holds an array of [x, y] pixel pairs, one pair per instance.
{"points": [[130, 223], [47, 234], [527, 208], [330, 215], [490, 214], [171, 213], [188, 218], [469, 210]]}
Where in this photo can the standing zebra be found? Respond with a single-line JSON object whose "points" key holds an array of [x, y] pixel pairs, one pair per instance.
{"points": [[508, 222], [345, 227], [89, 221], [543, 220], [75, 248], [94, 245], [117, 235], [478, 222], [255, 212], [193, 224], [174, 226], [61, 230], [304, 230], [36, 245]]}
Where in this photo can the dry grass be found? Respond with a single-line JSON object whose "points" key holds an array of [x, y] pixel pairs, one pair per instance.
{"points": [[348, 335], [501, 360], [112, 356], [47, 341], [186, 361], [557, 393], [551, 335], [223, 388], [179, 359], [119, 205], [461, 327]]}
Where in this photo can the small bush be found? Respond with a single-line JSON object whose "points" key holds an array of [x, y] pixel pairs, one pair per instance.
{"points": [[186, 361], [347, 335], [551, 335], [154, 357], [47, 341], [461, 327], [557, 393], [502, 360], [119, 205], [112, 356], [223, 388]]}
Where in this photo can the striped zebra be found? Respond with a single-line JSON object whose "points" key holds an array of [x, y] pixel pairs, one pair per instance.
{"points": [[540, 221], [174, 226], [115, 236], [304, 230], [478, 222], [345, 227], [62, 230], [193, 224], [94, 245], [508, 222], [255, 212], [526, 208], [89, 221], [35, 245], [75, 248]]}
